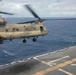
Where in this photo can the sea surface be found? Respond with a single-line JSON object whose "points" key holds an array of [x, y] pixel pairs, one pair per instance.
{"points": [[62, 34]]}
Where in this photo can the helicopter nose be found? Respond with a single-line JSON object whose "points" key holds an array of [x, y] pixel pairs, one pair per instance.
{"points": [[47, 32]]}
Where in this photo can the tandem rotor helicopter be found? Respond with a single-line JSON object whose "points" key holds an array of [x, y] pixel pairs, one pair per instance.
{"points": [[22, 29]]}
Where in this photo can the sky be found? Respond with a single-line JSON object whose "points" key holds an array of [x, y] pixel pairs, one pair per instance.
{"points": [[44, 8]]}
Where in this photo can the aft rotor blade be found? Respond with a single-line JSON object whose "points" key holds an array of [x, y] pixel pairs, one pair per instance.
{"points": [[32, 11], [1, 12], [47, 20]]}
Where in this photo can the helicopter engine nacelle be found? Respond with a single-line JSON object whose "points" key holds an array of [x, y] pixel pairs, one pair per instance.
{"points": [[2, 22]]}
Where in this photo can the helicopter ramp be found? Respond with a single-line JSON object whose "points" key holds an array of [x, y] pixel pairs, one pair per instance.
{"points": [[60, 62]]}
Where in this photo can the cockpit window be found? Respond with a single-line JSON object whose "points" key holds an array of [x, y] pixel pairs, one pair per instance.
{"points": [[41, 28]]}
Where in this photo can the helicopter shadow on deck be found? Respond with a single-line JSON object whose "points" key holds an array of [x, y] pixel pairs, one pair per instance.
{"points": [[20, 67]]}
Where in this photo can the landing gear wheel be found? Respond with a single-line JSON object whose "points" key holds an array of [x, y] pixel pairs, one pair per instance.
{"points": [[34, 39], [11, 39], [1, 41], [24, 41]]}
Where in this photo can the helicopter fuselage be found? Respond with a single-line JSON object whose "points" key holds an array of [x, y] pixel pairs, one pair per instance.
{"points": [[14, 31], [24, 30]]}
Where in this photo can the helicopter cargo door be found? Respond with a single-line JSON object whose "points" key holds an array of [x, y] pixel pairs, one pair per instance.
{"points": [[41, 28]]}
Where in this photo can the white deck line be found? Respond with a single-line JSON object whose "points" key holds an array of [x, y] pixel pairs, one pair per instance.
{"points": [[73, 64], [66, 72], [41, 61], [58, 59]]}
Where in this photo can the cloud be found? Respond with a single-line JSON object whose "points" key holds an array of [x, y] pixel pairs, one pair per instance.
{"points": [[44, 8], [64, 8]]}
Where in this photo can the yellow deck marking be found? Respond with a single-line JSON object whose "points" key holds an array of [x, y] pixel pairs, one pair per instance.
{"points": [[55, 67]]}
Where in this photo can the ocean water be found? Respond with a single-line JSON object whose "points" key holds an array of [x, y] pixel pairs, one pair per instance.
{"points": [[62, 34]]}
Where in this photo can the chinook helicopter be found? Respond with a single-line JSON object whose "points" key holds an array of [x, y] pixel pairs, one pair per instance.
{"points": [[23, 30]]}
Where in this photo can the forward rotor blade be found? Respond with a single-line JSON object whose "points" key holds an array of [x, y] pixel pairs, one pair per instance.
{"points": [[59, 19], [5, 13], [32, 11]]}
